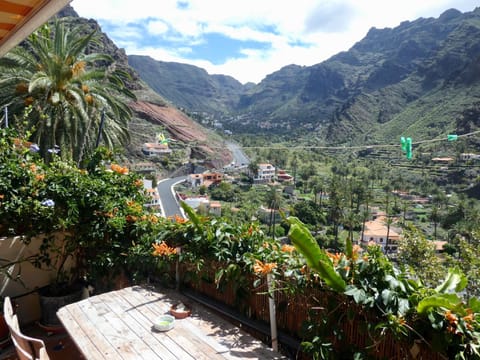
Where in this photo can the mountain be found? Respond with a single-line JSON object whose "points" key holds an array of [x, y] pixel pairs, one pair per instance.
{"points": [[188, 86], [153, 114], [416, 79]]}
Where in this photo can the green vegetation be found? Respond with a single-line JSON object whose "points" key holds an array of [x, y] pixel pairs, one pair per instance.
{"points": [[57, 87], [67, 91]]}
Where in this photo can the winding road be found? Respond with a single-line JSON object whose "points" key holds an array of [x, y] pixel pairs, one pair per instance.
{"points": [[239, 157], [168, 200]]}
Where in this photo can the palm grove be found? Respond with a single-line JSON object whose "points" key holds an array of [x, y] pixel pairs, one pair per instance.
{"points": [[63, 94]]}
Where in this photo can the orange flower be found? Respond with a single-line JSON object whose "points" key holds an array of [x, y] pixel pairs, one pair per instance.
{"points": [[153, 219], [263, 268], [2, 196], [179, 219], [138, 182], [33, 167], [334, 257], [118, 169], [131, 218], [163, 249], [355, 251], [39, 177], [451, 317], [469, 317], [288, 248]]}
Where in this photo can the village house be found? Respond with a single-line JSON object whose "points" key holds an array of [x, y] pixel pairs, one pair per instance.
{"points": [[153, 194], [265, 173], [469, 156], [215, 208], [283, 176], [376, 231], [207, 179], [152, 149]]}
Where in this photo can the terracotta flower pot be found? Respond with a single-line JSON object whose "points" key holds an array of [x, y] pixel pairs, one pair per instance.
{"points": [[180, 311]]}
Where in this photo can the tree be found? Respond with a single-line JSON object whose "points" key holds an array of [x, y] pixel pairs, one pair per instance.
{"points": [[274, 200], [419, 253], [68, 91], [223, 191], [309, 213], [336, 205]]}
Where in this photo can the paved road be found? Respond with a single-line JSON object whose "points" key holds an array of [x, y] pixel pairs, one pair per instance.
{"points": [[169, 203], [239, 157]]}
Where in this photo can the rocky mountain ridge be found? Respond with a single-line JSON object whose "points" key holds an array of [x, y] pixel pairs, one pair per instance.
{"points": [[417, 78], [152, 113]]}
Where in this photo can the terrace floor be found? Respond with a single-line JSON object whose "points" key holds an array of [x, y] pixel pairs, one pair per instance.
{"points": [[59, 346]]}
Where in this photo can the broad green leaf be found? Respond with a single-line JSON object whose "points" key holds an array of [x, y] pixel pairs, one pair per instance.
{"points": [[315, 257], [403, 306], [474, 304], [454, 282], [190, 213], [387, 296], [358, 295], [447, 301], [349, 248]]}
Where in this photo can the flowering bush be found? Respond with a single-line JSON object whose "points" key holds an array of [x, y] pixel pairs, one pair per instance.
{"points": [[99, 209], [360, 286]]}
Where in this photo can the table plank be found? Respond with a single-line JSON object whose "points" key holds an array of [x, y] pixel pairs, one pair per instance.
{"points": [[151, 306], [119, 325], [141, 326], [82, 336]]}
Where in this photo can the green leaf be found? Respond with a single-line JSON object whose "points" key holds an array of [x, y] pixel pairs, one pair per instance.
{"points": [[191, 214], [315, 257], [447, 301], [387, 296], [474, 304], [358, 295], [455, 281], [349, 248]]}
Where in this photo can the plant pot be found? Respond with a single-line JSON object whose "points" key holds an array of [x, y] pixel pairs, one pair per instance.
{"points": [[178, 313], [50, 304]]}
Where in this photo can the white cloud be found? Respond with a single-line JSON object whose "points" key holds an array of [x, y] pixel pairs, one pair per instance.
{"points": [[325, 27], [157, 27]]}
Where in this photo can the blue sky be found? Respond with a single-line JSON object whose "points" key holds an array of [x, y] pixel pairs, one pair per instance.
{"points": [[250, 39]]}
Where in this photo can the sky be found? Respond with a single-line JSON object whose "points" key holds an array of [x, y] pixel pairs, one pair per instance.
{"points": [[249, 39]]}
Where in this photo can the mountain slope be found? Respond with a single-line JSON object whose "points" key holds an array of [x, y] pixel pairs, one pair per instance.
{"points": [[188, 86], [152, 113], [417, 78]]}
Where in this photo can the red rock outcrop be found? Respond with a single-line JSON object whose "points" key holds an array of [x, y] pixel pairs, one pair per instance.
{"points": [[182, 128]]}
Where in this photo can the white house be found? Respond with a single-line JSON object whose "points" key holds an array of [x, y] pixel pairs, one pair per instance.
{"points": [[215, 208], [152, 149], [265, 173], [153, 192], [376, 231], [469, 156]]}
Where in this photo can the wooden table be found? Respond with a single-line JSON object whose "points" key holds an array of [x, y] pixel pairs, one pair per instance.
{"points": [[119, 325]]}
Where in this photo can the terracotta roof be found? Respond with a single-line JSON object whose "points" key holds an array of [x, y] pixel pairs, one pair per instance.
{"points": [[378, 228]]}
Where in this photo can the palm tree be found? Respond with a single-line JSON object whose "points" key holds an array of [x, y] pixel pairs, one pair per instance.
{"points": [[65, 91]]}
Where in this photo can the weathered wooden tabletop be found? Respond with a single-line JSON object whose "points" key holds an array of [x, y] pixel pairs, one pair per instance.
{"points": [[119, 325]]}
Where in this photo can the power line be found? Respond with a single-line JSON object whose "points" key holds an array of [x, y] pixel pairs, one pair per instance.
{"points": [[356, 147]]}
